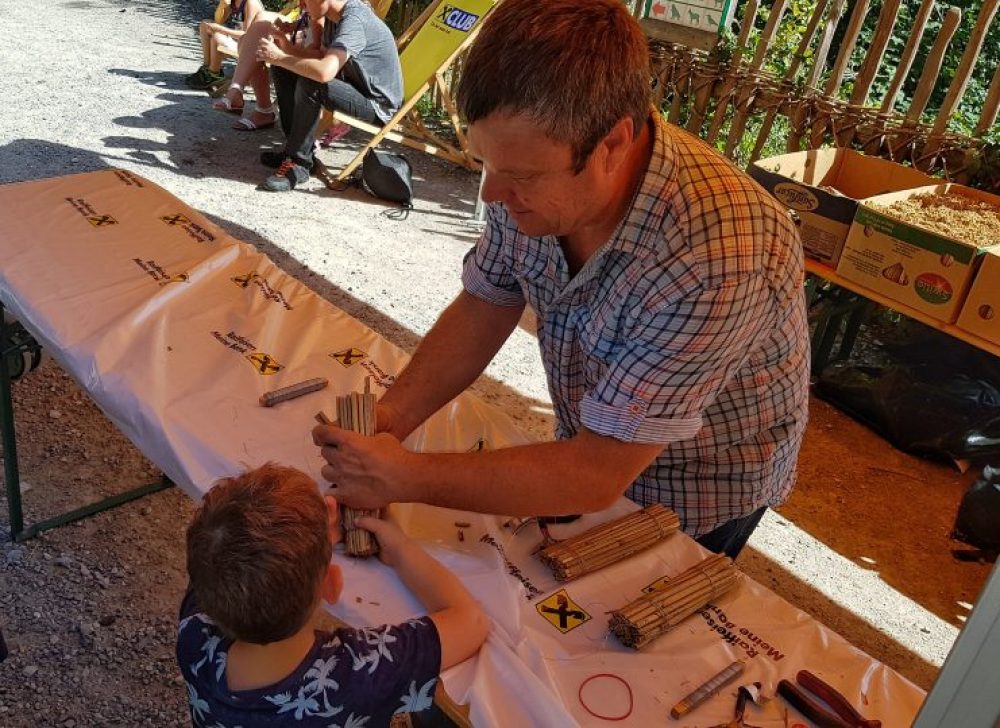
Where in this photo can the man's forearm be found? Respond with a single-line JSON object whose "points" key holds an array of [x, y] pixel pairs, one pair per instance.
{"points": [[455, 351], [581, 475]]}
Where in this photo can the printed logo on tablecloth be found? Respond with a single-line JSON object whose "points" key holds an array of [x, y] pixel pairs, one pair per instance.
{"points": [[353, 355], [91, 215], [264, 363], [269, 292], [562, 612], [177, 219], [349, 357], [189, 226], [127, 178], [101, 220], [155, 271]]}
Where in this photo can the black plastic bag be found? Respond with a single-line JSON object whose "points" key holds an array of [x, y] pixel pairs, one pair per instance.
{"points": [[938, 397], [978, 519]]}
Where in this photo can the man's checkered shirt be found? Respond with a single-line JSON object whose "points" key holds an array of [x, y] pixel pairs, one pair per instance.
{"points": [[687, 328]]}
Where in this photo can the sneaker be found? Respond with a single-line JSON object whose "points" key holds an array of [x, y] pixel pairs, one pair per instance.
{"points": [[208, 80], [286, 177], [275, 158], [197, 77]]}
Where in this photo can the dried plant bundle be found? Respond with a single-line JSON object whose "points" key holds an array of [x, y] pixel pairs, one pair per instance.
{"points": [[610, 542], [356, 412], [660, 610]]}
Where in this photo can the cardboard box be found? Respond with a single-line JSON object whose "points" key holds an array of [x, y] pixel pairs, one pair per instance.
{"points": [[925, 270], [981, 313], [798, 180]]}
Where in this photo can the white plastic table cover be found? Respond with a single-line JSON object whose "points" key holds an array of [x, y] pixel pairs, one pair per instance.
{"points": [[174, 328]]}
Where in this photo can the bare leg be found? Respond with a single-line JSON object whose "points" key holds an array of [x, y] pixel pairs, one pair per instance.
{"points": [[215, 60], [205, 33], [248, 68]]}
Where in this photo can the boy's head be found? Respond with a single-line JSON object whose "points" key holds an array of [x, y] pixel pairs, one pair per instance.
{"points": [[258, 553]]}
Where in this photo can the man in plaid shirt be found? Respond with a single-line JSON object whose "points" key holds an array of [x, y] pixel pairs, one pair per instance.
{"points": [[666, 284]]}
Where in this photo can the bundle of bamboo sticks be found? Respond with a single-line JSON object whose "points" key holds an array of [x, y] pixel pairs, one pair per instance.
{"points": [[660, 610], [356, 412], [610, 542]]}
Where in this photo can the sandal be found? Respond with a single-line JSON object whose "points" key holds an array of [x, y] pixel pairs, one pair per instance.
{"points": [[245, 123], [224, 104]]}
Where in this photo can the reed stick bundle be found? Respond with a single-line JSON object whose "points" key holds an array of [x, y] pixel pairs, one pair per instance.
{"points": [[657, 612], [356, 412], [610, 542]]}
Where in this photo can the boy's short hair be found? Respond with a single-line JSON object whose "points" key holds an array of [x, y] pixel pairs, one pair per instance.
{"points": [[256, 552], [575, 67]]}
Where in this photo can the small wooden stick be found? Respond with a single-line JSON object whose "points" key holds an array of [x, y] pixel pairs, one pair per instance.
{"points": [[269, 399]]}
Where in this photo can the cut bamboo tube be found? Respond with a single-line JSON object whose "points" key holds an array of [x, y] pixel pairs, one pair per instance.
{"points": [[356, 412], [657, 612], [610, 542]]}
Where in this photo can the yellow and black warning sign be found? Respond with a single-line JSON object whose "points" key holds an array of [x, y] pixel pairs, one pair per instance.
{"points": [[264, 363], [562, 612], [349, 357], [101, 220], [177, 219]]}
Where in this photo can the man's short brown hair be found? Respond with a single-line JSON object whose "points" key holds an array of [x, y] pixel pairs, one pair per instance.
{"points": [[256, 551], [575, 67]]}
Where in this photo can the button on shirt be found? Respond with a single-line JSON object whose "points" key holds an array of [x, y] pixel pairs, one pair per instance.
{"points": [[687, 328]]}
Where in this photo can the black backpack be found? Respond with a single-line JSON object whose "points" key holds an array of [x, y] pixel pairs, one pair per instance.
{"points": [[388, 176]]}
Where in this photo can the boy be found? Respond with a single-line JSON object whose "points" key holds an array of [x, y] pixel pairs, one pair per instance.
{"points": [[258, 556]]}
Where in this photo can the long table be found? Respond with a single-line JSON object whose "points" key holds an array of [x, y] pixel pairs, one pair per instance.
{"points": [[175, 329]]}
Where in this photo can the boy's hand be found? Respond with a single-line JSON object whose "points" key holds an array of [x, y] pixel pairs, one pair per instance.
{"points": [[333, 520], [391, 539]]}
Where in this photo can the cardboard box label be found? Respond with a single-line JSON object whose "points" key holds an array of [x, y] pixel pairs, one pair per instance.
{"points": [[915, 236]]}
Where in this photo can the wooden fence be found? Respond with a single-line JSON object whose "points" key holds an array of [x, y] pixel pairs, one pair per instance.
{"points": [[726, 96]]}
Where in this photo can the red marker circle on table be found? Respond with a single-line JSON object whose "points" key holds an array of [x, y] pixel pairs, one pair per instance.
{"points": [[609, 675]]}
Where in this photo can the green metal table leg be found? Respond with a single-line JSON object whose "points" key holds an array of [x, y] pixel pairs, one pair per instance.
{"points": [[11, 476]]}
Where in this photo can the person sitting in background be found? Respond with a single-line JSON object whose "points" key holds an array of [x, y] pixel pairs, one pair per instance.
{"points": [[225, 32], [355, 70], [295, 28], [249, 643]]}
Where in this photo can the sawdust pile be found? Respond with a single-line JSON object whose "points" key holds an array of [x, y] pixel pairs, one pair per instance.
{"points": [[957, 216]]}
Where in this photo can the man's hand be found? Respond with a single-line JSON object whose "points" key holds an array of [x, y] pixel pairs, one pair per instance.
{"points": [[366, 471], [268, 51]]}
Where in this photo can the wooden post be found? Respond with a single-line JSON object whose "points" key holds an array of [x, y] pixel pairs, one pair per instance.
{"points": [[965, 66], [839, 67], [906, 58], [744, 99], [789, 78], [991, 106], [873, 57], [819, 63], [726, 90], [932, 66]]}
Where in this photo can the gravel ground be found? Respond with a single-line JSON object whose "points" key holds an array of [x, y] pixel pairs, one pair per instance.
{"points": [[89, 609]]}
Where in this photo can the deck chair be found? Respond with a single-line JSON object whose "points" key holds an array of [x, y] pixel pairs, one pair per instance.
{"points": [[427, 49]]}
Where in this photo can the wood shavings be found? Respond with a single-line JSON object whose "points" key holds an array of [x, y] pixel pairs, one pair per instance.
{"points": [[953, 215]]}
